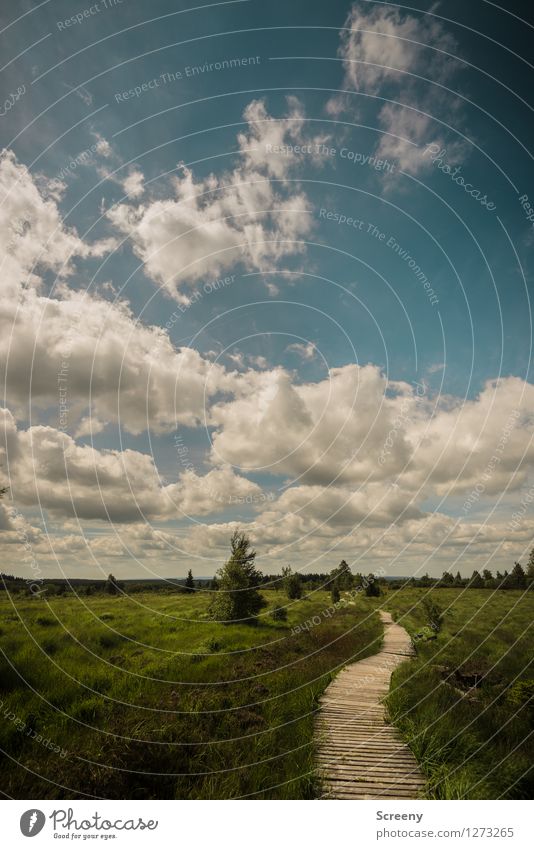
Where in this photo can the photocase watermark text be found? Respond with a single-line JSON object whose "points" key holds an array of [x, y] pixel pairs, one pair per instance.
{"points": [[371, 229], [323, 150], [401, 419], [196, 296], [528, 209], [185, 73], [437, 156], [89, 12], [492, 464], [10, 101], [345, 600], [29, 730]]}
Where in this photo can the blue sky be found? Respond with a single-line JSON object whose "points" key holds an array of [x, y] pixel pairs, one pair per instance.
{"points": [[249, 229]]}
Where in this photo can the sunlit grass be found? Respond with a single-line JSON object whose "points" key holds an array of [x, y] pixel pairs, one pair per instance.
{"points": [[152, 699], [473, 742]]}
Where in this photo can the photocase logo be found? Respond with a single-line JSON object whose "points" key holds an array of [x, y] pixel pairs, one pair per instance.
{"points": [[32, 822]]}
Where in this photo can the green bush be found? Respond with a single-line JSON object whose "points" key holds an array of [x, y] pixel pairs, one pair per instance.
{"points": [[45, 621], [434, 613], [109, 641], [372, 588], [292, 584]]}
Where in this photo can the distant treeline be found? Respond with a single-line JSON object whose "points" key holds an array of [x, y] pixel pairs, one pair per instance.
{"points": [[340, 578], [87, 586], [517, 579]]}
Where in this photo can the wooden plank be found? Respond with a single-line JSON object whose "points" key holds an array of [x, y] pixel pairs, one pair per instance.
{"points": [[381, 776], [363, 771], [374, 761], [359, 755], [360, 790]]}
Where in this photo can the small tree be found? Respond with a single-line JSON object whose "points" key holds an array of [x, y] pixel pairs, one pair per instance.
{"points": [[489, 583], [475, 581], [433, 613], [334, 593], [112, 585], [458, 580], [237, 597], [517, 579], [503, 580], [343, 576], [279, 614], [189, 583], [292, 583], [372, 589], [530, 571]]}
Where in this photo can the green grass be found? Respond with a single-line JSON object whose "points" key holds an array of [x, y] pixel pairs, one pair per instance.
{"points": [[472, 743], [150, 699]]}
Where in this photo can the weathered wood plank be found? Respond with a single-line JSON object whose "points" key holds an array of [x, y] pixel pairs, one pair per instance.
{"points": [[359, 755]]}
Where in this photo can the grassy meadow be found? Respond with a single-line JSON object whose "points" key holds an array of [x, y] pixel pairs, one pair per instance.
{"points": [[147, 698], [466, 704]]}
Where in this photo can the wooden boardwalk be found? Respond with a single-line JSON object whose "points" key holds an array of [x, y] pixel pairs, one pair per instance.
{"points": [[359, 755]]}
